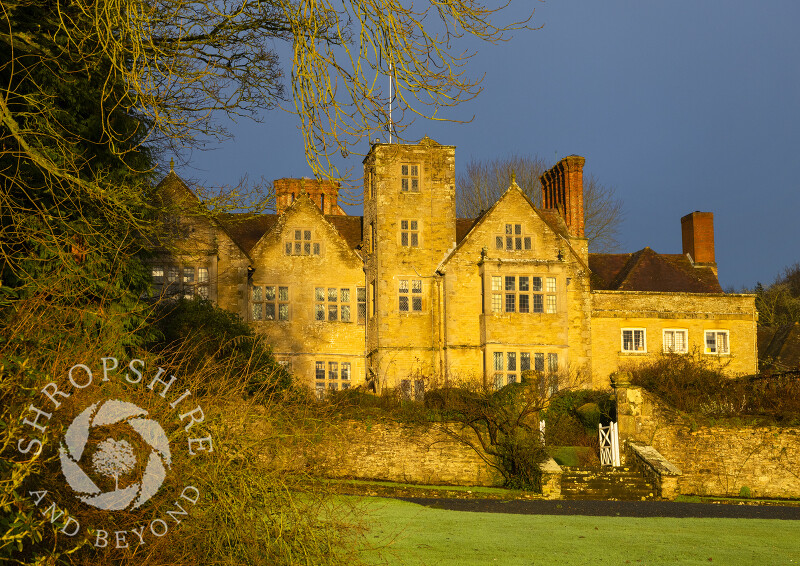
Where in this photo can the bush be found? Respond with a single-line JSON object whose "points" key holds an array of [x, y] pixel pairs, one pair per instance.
{"points": [[219, 335], [697, 385], [252, 509], [572, 417]]}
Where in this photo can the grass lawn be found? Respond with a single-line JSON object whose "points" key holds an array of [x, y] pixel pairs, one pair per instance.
{"points": [[405, 533]]}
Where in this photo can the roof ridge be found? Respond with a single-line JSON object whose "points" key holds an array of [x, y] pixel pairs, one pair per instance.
{"points": [[622, 276]]}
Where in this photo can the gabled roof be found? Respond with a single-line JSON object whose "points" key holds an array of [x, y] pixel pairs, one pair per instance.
{"points": [[465, 226], [175, 196], [243, 228], [647, 270], [172, 191], [349, 227], [247, 229]]}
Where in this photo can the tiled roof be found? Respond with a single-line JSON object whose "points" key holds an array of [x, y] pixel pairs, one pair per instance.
{"points": [[349, 227], [647, 270], [463, 226], [247, 229], [554, 219]]}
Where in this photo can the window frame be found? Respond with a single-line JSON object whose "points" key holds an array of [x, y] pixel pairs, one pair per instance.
{"points": [[340, 306], [361, 305], [412, 291], [409, 233], [329, 376], [633, 330], [527, 294], [717, 332], [410, 178], [276, 301], [307, 241], [507, 366], [175, 280], [668, 350], [513, 238]]}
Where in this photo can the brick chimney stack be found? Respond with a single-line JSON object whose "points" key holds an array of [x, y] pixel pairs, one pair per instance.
{"points": [[324, 193], [562, 188], [697, 232]]}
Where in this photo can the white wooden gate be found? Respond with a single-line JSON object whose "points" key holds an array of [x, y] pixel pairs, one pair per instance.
{"points": [[609, 444]]}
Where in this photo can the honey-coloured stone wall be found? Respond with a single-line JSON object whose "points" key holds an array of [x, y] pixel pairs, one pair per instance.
{"points": [[714, 460]]}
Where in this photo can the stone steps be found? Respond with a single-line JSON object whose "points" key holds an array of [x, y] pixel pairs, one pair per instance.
{"points": [[622, 483]]}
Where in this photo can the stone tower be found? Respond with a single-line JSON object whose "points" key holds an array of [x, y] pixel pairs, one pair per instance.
{"points": [[409, 226]]}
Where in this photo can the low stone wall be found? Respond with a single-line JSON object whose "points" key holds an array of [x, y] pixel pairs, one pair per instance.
{"points": [[402, 453], [721, 461], [714, 460], [660, 472]]}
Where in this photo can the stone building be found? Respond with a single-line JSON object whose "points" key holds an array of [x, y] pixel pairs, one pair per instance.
{"points": [[409, 291]]}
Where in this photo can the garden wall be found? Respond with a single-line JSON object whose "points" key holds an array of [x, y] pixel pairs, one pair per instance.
{"points": [[403, 453], [714, 460]]}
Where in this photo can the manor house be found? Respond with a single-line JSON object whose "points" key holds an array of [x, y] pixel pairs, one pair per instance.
{"points": [[408, 291]]}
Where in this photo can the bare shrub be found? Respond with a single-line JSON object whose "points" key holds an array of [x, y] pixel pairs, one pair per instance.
{"points": [[251, 508], [697, 384]]}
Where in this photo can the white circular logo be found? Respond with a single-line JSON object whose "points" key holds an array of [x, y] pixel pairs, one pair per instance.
{"points": [[114, 457]]}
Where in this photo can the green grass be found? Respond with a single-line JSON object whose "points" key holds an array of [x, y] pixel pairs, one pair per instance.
{"points": [[408, 534], [490, 491], [735, 500]]}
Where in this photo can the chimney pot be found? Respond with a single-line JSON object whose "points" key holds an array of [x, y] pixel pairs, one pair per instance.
{"points": [[562, 189]]}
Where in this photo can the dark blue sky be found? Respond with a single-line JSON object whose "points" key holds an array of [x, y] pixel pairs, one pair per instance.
{"points": [[680, 106]]}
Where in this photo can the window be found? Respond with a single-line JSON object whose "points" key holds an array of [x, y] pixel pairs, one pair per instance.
{"points": [[269, 302], [538, 362], [523, 294], [301, 243], [371, 182], [412, 389], [507, 367], [374, 294], [717, 342], [497, 298], [320, 379], [409, 233], [410, 301], [332, 304], [409, 178], [361, 297], [511, 298], [552, 362], [498, 370], [331, 376], [184, 281], [513, 239], [633, 340], [675, 340]]}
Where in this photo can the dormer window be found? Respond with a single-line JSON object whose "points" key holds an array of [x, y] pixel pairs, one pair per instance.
{"points": [[409, 178]]}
